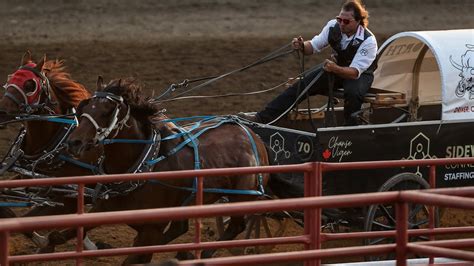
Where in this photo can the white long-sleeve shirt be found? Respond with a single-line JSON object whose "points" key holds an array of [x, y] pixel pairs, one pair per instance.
{"points": [[366, 52]]}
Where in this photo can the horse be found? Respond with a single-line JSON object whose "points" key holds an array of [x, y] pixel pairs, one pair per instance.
{"points": [[118, 111], [44, 88]]}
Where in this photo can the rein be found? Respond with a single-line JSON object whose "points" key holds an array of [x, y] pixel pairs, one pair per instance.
{"points": [[225, 95], [272, 56], [302, 93]]}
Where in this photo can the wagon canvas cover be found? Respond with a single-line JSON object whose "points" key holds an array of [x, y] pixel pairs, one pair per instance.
{"points": [[431, 67]]}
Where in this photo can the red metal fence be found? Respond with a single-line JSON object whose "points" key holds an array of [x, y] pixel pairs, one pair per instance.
{"points": [[312, 204]]}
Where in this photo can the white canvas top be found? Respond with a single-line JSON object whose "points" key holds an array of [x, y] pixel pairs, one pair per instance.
{"points": [[435, 66]]}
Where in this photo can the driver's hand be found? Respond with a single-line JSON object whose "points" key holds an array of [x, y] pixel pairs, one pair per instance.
{"points": [[329, 65], [298, 43]]}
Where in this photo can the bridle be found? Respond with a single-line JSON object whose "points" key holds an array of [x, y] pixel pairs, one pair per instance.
{"points": [[30, 101], [103, 132]]}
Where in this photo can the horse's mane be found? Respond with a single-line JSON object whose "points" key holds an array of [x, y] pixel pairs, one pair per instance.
{"points": [[130, 90], [68, 92]]}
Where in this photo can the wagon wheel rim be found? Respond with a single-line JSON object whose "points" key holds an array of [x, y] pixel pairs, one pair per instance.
{"points": [[382, 217]]}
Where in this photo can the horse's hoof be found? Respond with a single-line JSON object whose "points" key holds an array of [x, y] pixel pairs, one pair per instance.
{"points": [[102, 245], [184, 256], [48, 249]]}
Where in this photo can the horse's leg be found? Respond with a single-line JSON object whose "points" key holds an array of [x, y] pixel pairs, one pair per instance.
{"points": [[235, 227], [68, 207], [175, 230], [236, 224], [60, 237], [147, 235]]}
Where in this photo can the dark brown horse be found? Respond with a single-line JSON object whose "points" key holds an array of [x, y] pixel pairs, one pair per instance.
{"points": [[119, 111], [44, 88]]}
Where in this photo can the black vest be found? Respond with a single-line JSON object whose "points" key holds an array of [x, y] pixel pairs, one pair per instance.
{"points": [[344, 57]]}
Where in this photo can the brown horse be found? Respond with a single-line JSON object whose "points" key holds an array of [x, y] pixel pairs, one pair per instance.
{"points": [[119, 111], [44, 88]]}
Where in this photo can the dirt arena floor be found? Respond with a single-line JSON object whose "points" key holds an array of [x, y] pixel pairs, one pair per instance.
{"points": [[165, 42]]}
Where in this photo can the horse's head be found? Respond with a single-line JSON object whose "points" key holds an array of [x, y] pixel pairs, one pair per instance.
{"points": [[25, 89], [106, 113]]}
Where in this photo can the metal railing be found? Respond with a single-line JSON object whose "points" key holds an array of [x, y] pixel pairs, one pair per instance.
{"points": [[312, 204]]}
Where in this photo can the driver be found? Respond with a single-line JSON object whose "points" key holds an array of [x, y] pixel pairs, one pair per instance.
{"points": [[353, 62]]}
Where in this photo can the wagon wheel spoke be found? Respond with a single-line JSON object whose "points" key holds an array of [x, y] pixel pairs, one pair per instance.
{"points": [[376, 241], [415, 211], [383, 226], [417, 225], [388, 214], [423, 238]]}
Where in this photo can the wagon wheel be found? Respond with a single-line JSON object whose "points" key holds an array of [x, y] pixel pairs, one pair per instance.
{"points": [[257, 225], [382, 216]]}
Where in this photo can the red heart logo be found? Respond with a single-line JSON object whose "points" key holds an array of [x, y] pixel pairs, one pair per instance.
{"points": [[326, 154]]}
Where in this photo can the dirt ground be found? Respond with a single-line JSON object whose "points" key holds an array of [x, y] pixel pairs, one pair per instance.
{"points": [[165, 42]]}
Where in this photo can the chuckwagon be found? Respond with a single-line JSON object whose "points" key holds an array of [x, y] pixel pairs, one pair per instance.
{"points": [[420, 106]]}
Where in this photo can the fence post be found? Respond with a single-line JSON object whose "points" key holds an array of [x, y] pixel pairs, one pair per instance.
{"points": [[197, 224], [4, 248], [313, 216], [307, 216], [317, 186], [80, 229], [432, 209], [402, 232]]}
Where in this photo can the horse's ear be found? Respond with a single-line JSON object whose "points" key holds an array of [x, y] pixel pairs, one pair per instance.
{"points": [[40, 64], [100, 82], [26, 58]]}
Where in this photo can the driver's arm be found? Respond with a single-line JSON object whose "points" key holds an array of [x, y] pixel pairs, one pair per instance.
{"points": [[343, 72]]}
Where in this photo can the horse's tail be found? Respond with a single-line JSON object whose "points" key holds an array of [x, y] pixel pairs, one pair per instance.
{"points": [[6, 212], [284, 185]]}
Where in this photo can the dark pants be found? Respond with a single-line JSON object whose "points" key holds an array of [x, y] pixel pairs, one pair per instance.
{"points": [[354, 91]]}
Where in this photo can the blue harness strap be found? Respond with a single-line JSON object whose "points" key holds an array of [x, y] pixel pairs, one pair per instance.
{"points": [[91, 167], [15, 204], [192, 139], [62, 120]]}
